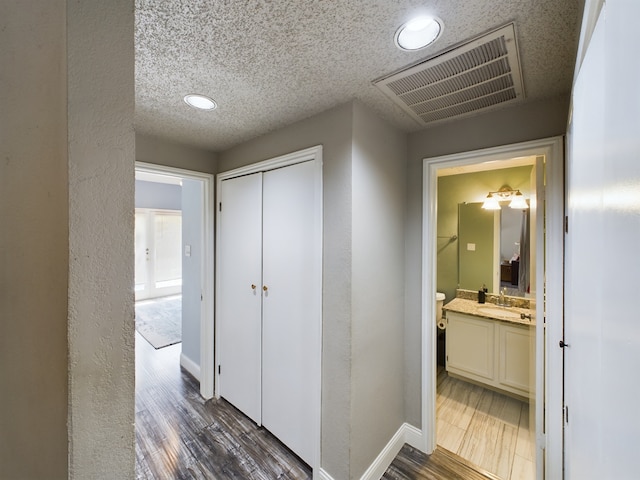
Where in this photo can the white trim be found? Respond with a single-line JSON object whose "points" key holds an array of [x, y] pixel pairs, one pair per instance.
{"points": [[552, 148], [292, 158], [405, 434], [590, 16], [323, 475], [206, 319], [190, 366], [309, 154]]}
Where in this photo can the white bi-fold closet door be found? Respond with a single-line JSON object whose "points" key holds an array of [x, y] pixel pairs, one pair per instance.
{"points": [[269, 300]]}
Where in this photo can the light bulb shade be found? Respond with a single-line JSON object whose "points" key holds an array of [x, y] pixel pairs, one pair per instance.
{"points": [[201, 102], [518, 201], [491, 203], [418, 33]]}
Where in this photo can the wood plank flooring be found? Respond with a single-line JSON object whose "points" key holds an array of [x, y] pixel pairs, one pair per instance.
{"points": [[489, 429], [411, 464], [180, 436]]}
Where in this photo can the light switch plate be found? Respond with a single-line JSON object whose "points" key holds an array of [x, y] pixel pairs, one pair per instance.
{"points": [[187, 250], [471, 247]]}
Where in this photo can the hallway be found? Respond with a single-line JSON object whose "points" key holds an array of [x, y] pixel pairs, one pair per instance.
{"points": [[180, 436]]}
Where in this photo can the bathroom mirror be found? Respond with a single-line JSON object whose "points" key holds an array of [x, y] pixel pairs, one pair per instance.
{"points": [[493, 249]]}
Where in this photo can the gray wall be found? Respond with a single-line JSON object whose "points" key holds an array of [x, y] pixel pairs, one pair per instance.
{"points": [[332, 130], [100, 62], [171, 154], [377, 365], [364, 162], [520, 123], [33, 240], [192, 214], [158, 195]]}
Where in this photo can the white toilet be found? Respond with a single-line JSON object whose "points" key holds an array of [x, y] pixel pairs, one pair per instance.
{"points": [[440, 297]]}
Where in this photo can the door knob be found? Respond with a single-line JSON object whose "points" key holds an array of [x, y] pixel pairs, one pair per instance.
{"points": [[265, 288]]}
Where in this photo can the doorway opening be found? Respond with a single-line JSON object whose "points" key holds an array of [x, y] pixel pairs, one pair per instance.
{"points": [[174, 264], [507, 374]]}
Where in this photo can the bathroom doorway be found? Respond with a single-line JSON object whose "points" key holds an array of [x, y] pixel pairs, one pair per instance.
{"points": [[478, 401]]}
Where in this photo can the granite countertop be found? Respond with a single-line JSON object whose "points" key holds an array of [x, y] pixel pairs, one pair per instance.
{"points": [[490, 310]]}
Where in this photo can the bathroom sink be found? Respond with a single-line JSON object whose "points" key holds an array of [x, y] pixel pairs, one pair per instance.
{"points": [[499, 312]]}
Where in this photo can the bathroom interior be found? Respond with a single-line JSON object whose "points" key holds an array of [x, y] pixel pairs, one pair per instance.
{"points": [[485, 315]]}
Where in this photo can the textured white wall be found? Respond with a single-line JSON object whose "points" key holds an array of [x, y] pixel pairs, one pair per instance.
{"points": [[171, 154], [377, 359], [101, 203], [33, 240], [520, 123], [333, 130]]}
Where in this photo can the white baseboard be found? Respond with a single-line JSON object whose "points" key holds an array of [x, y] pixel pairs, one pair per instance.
{"points": [[323, 475], [405, 434], [190, 366]]}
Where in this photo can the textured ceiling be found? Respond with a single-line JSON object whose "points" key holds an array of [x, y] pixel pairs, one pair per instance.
{"points": [[269, 63]]}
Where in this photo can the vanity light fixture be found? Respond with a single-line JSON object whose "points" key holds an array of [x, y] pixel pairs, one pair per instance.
{"points": [[201, 102], [492, 202], [417, 33]]}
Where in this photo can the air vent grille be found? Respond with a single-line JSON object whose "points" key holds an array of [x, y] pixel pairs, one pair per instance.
{"points": [[479, 75]]}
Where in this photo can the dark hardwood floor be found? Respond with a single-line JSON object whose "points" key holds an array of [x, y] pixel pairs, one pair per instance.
{"points": [[411, 464], [180, 436]]}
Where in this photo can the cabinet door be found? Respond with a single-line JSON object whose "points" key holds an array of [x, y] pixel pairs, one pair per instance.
{"points": [[470, 346], [514, 350], [291, 305], [239, 302]]}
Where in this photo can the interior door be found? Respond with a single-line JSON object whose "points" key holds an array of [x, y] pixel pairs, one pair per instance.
{"points": [[291, 248], [239, 302], [586, 251]]}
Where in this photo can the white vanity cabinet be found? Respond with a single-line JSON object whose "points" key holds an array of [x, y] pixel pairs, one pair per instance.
{"points": [[489, 351]]}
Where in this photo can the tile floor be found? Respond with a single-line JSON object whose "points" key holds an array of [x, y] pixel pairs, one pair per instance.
{"points": [[486, 428]]}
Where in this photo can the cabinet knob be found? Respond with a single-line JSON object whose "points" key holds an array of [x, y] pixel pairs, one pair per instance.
{"points": [[253, 287], [561, 344], [265, 288]]}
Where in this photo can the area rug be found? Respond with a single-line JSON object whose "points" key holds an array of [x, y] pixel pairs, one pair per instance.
{"points": [[159, 321]]}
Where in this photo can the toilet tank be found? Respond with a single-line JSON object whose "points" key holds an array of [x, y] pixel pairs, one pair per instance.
{"points": [[439, 302]]}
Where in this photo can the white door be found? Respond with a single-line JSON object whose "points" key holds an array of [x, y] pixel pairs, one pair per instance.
{"points": [[291, 245], [586, 253], [239, 301]]}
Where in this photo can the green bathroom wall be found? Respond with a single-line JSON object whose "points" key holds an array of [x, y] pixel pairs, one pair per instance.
{"points": [[469, 188], [475, 246]]}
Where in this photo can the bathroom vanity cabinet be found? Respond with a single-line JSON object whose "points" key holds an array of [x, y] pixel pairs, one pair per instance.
{"points": [[490, 351]]}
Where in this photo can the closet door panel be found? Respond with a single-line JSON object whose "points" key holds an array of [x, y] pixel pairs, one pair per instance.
{"points": [[291, 249], [240, 263]]}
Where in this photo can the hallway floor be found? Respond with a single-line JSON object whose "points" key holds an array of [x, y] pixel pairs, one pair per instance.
{"points": [[180, 436]]}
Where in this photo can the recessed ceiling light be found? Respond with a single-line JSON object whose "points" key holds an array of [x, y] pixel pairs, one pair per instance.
{"points": [[201, 102], [418, 33]]}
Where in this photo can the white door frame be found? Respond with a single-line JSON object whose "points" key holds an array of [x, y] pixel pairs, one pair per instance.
{"points": [[206, 315], [549, 444], [310, 154]]}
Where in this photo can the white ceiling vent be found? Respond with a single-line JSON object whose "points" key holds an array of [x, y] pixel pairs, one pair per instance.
{"points": [[476, 76]]}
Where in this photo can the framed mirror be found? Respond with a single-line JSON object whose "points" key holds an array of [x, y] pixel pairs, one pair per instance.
{"points": [[490, 244]]}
